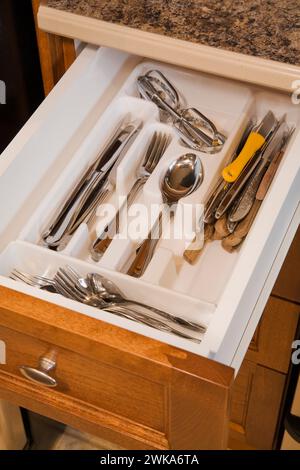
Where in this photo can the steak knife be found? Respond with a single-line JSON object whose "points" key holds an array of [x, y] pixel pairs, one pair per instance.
{"points": [[248, 195], [221, 186], [254, 142]]}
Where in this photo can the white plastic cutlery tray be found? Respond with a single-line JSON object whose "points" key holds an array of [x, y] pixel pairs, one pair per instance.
{"points": [[226, 292]]}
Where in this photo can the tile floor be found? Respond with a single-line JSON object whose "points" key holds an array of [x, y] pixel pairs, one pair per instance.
{"points": [[51, 435]]}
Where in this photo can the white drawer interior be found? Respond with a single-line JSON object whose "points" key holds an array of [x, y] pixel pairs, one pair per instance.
{"points": [[42, 164]]}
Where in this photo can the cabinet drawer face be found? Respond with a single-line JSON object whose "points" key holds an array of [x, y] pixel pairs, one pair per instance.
{"points": [[112, 389], [108, 381], [224, 292]]}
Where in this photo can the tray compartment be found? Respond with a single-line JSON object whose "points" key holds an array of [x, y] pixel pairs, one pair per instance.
{"points": [[221, 289], [39, 260]]}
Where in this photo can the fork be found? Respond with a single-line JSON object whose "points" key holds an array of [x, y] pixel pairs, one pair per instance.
{"points": [[64, 286], [156, 148], [56, 285], [92, 279], [34, 280]]}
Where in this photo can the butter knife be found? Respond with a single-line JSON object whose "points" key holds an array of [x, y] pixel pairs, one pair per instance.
{"points": [[92, 186]]}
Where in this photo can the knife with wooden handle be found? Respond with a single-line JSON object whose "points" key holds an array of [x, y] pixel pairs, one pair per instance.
{"points": [[242, 229], [244, 226], [231, 242], [221, 227], [192, 253], [146, 250], [254, 142]]}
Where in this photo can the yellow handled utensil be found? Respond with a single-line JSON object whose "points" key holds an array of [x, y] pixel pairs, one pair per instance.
{"points": [[254, 142]]}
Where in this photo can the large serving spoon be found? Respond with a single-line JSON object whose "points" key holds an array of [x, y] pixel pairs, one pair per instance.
{"points": [[183, 176]]}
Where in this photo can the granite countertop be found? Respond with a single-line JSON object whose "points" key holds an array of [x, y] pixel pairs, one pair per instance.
{"points": [[261, 28]]}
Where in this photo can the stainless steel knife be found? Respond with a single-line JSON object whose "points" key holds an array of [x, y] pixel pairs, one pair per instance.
{"points": [[221, 186], [248, 196], [91, 188], [235, 188]]}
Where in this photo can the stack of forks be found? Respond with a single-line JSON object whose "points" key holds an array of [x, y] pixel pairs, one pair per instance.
{"points": [[68, 283]]}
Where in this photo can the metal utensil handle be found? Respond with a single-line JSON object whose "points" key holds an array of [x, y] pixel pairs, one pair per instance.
{"points": [[97, 197], [105, 155], [165, 84], [168, 316], [237, 186], [143, 257], [70, 217], [90, 179], [68, 203], [214, 201], [248, 195], [118, 149], [191, 134], [153, 323], [186, 127]]}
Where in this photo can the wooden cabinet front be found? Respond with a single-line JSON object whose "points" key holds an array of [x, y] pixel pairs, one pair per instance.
{"points": [[259, 386], [127, 388]]}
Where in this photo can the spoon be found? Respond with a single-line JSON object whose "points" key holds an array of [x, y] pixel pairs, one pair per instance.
{"points": [[114, 294], [71, 277], [71, 285], [183, 176]]}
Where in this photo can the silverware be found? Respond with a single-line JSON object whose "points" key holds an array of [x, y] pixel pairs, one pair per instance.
{"points": [[221, 187], [158, 145], [194, 128], [184, 176], [248, 195], [108, 291], [233, 190], [64, 285], [271, 171], [34, 280], [231, 226], [91, 189]]}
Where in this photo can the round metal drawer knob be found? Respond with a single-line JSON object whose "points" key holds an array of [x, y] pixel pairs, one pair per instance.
{"points": [[41, 375]]}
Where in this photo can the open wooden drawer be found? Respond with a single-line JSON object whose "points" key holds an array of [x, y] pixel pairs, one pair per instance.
{"points": [[129, 382]]}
